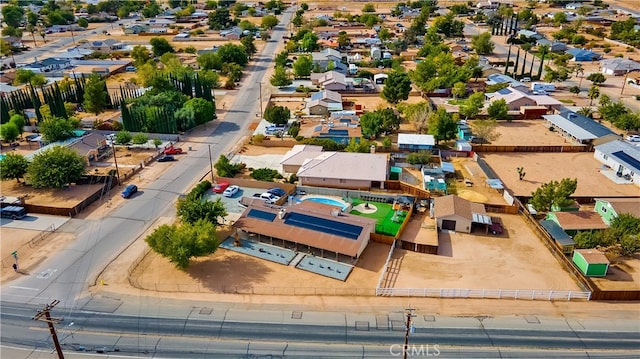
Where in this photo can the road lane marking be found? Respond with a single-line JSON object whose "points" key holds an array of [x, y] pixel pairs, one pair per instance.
{"points": [[25, 288], [46, 274]]}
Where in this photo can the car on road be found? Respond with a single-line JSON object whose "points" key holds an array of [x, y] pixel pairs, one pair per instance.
{"points": [[129, 191], [13, 212], [231, 191], [166, 158], [220, 187], [633, 138], [279, 192], [172, 150]]}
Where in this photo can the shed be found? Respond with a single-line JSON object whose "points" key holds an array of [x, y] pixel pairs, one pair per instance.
{"points": [[591, 262], [457, 214], [380, 78], [463, 146], [562, 239]]}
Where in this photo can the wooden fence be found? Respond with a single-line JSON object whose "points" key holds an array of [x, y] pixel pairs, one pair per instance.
{"points": [[496, 148], [500, 208], [526, 294]]}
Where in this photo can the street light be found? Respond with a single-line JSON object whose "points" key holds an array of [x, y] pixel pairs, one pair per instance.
{"points": [[260, 84]]}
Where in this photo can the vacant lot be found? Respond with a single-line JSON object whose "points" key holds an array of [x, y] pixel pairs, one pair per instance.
{"points": [[543, 167], [514, 260], [527, 133], [623, 274]]}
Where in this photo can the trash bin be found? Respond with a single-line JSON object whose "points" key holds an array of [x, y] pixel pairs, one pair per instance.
{"points": [[190, 148]]}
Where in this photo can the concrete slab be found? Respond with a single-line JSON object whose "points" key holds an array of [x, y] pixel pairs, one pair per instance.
{"points": [[262, 161], [38, 222]]}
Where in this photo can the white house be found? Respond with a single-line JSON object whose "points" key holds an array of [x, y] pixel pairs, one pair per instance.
{"points": [[621, 157], [618, 66]]}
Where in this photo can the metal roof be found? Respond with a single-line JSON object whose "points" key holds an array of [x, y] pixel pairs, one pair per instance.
{"points": [[579, 126], [623, 152], [480, 218], [556, 232]]}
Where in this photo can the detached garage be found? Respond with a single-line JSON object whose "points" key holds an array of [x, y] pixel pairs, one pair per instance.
{"points": [[454, 213], [591, 262]]}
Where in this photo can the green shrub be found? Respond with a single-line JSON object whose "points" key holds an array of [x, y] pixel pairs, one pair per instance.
{"points": [[265, 174]]}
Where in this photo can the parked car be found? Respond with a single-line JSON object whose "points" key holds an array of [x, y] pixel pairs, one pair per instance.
{"points": [[269, 197], [525, 79], [220, 187], [231, 191], [166, 158], [129, 191], [633, 138], [172, 150], [277, 192], [13, 212], [496, 228]]}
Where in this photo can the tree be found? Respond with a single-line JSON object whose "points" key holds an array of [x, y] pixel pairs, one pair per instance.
{"points": [[442, 125], [123, 137], [269, 22], [368, 8], [29, 77], [343, 39], [224, 168], [594, 93], [181, 243], [56, 167], [13, 15], [157, 142], [278, 115], [559, 18], [204, 111], [248, 45], [459, 89], [280, 77], [19, 121], [56, 129], [553, 193], [95, 96], [448, 25], [230, 53], [498, 110], [9, 132], [160, 46], [486, 129], [309, 42], [397, 87], [471, 108], [209, 61], [220, 19], [83, 23], [417, 114], [302, 66], [596, 78], [14, 165], [419, 158], [193, 207], [140, 139], [482, 43], [575, 90], [140, 55]]}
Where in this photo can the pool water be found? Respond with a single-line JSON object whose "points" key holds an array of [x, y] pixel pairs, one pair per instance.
{"points": [[328, 201], [2, 156]]}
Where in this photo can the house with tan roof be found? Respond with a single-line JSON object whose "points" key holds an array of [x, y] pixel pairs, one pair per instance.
{"points": [[347, 170], [516, 99], [611, 208], [573, 222], [330, 80], [296, 156], [92, 147], [308, 225], [455, 213]]}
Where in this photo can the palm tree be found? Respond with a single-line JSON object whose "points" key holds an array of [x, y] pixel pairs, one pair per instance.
{"points": [[594, 93], [578, 69]]}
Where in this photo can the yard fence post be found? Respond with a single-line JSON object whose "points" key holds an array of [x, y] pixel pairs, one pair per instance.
{"points": [[550, 294]]}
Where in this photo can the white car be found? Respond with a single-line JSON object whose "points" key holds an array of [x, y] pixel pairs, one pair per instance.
{"points": [[633, 138], [231, 191]]}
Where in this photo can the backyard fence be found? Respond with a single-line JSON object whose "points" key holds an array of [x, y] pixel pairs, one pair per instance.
{"points": [[526, 294], [386, 266], [536, 149]]}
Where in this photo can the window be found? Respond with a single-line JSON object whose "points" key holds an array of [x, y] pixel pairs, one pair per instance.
{"points": [[604, 209]]}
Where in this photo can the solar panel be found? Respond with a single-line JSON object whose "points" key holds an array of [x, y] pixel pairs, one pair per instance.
{"points": [[323, 225], [504, 91], [628, 159], [262, 215]]}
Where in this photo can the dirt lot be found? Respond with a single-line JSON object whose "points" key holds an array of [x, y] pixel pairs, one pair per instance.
{"points": [[527, 133], [479, 261], [623, 274], [543, 167]]}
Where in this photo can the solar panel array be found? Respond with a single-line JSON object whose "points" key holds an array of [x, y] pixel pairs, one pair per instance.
{"points": [[627, 158], [262, 215], [323, 225]]}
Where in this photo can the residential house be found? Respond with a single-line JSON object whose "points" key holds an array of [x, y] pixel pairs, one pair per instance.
{"points": [[181, 36], [297, 155], [554, 46], [618, 66], [455, 213], [326, 56], [500, 78], [573, 222], [135, 29], [348, 170], [324, 102], [366, 41], [91, 146], [309, 225], [581, 55], [434, 179], [573, 6], [375, 53], [529, 34], [48, 65], [105, 46], [516, 99], [331, 80], [610, 208], [581, 128], [464, 132], [234, 33], [64, 28], [159, 22], [73, 53], [415, 142], [622, 157]]}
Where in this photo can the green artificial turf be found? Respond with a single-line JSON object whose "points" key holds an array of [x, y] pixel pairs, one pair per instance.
{"points": [[384, 224]]}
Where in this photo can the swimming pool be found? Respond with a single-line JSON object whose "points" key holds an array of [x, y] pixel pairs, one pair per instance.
{"points": [[329, 201], [2, 156]]}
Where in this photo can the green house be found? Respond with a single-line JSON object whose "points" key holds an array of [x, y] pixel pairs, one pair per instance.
{"points": [[610, 208], [591, 262]]}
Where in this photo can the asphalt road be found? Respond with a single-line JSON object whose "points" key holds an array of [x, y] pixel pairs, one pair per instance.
{"points": [[67, 275]]}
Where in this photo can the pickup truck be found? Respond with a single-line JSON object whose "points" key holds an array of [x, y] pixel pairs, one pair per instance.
{"points": [[172, 150]]}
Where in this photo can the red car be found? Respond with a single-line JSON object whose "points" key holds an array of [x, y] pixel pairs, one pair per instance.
{"points": [[172, 150], [220, 187]]}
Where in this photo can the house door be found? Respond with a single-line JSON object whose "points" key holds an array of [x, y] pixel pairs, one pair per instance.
{"points": [[449, 224]]}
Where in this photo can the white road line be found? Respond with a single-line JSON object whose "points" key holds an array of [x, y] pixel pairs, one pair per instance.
{"points": [[25, 288]]}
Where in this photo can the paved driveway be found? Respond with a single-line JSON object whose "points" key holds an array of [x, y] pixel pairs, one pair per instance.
{"points": [[40, 222]]}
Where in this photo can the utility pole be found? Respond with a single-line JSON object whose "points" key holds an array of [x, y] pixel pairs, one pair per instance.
{"points": [[211, 165], [115, 160], [45, 316], [625, 79], [261, 114], [409, 329]]}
